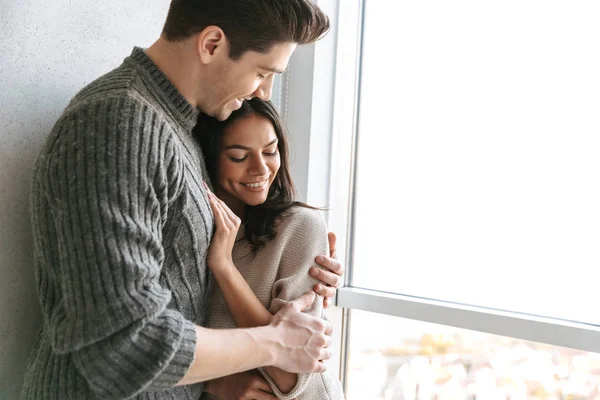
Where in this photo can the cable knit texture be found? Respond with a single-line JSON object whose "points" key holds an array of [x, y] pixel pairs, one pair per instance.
{"points": [[278, 274], [121, 227]]}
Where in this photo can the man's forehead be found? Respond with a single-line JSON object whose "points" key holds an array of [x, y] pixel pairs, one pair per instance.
{"points": [[276, 59], [276, 70]]}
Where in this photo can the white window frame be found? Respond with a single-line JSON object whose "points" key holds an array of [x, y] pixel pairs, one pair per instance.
{"points": [[306, 104], [321, 109]]}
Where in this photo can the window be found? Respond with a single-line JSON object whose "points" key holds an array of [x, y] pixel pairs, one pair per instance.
{"points": [[416, 360], [478, 175], [471, 197], [463, 184]]}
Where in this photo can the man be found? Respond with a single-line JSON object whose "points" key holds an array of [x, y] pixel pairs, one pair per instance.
{"points": [[121, 221]]}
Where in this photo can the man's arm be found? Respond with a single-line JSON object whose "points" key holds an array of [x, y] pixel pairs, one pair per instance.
{"points": [[107, 195], [294, 342]]}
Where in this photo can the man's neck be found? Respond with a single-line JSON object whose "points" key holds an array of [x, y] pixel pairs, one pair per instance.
{"points": [[175, 61]]}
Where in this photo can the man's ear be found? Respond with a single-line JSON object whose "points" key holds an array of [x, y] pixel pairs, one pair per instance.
{"points": [[211, 43]]}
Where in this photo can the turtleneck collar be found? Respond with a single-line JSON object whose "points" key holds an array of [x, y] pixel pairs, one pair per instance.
{"points": [[173, 101]]}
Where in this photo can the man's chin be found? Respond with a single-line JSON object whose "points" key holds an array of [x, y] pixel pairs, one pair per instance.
{"points": [[223, 115]]}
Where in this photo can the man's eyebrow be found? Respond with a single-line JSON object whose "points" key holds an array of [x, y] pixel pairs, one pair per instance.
{"points": [[240, 147], [272, 69]]}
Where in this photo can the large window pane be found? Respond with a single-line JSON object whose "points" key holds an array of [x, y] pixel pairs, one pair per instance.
{"points": [[393, 358], [478, 175]]}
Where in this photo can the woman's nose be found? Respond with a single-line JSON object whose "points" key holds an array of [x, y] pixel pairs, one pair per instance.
{"points": [[259, 167]]}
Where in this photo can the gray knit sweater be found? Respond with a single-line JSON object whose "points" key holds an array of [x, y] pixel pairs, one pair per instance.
{"points": [[121, 227]]}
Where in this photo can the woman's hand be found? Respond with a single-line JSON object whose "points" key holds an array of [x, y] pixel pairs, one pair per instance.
{"points": [[227, 226]]}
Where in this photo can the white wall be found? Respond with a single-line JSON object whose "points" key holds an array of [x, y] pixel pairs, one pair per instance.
{"points": [[48, 51]]}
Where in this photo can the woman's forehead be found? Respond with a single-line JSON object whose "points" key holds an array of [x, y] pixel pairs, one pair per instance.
{"points": [[253, 130]]}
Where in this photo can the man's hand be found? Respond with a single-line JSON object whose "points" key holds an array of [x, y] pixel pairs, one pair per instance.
{"points": [[302, 340], [330, 279], [249, 385]]}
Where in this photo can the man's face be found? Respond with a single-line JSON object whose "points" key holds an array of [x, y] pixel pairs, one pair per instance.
{"points": [[250, 76]]}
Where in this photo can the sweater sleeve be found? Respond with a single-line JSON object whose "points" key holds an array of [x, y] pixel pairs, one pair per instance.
{"points": [[303, 237], [111, 175]]}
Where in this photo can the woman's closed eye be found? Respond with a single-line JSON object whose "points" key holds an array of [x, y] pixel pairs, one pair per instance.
{"points": [[238, 160]]}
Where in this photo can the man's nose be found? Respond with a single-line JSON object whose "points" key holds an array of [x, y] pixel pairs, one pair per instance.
{"points": [[264, 91]]}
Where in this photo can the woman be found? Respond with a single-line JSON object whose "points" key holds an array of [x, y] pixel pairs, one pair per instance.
{"points": [[265, 242]]}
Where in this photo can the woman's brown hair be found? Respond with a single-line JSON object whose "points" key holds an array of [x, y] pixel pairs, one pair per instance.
{"points": [[259, 221]]}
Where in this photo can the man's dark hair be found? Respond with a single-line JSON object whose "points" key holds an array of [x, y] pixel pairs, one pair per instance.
{"points": [[260, 221], [255, 25]]}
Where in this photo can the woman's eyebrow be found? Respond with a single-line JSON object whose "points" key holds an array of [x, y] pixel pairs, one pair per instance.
{"points": [[272, 142], [240, 147], [237, 146]]}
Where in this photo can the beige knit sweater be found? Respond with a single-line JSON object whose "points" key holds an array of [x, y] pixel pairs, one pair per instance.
{"points": [[278, 274]]}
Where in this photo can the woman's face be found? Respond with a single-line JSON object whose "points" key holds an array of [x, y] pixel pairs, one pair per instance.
{"points": [[248, 162]]}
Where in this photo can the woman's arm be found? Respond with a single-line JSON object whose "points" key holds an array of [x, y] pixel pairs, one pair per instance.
{"points": [[245, 308], [248, 312]]}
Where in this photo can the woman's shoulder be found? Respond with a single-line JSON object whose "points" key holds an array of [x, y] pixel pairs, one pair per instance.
{"points": [[301, 235], [299, 219]]}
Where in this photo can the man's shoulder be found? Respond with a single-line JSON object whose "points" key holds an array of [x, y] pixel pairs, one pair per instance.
{"points": [[121, 85], [105, 107]]}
